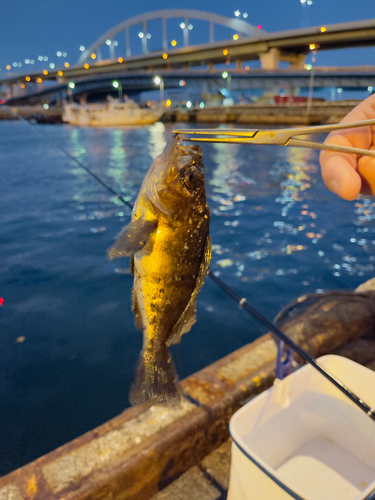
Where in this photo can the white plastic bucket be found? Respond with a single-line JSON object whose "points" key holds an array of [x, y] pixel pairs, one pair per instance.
{"points": [[304, 439]]}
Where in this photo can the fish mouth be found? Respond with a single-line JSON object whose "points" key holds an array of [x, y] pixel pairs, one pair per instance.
{"points": [[175, 154]]}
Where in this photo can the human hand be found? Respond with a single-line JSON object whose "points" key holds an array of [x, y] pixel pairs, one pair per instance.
{"points": [[347, 174]]}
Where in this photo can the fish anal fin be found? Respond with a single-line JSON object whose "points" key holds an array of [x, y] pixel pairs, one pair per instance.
{"points": [[188, 317], [132, 238]]}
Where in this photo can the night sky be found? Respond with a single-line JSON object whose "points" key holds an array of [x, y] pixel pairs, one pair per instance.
{"points": [[40, 27]]}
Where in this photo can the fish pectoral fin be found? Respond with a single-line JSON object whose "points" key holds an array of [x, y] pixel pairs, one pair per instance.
{"points": [[136, 310], [188, 317], [132, 238]]}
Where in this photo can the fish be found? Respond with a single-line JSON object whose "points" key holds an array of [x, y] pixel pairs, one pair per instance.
{"points": [[169, 246]]}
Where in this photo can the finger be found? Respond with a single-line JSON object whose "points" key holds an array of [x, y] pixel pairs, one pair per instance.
{"points": [[339, 170]]}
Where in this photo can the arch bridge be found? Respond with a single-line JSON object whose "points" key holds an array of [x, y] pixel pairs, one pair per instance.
{"points": [[239, 27]]}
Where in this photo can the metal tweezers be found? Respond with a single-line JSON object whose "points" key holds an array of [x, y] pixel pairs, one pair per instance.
{"points": [[279, 137]]}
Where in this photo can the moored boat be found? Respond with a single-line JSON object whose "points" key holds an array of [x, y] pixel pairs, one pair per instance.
{"points": [[111, 113]]}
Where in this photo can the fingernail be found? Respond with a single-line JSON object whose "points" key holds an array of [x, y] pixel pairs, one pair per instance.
{"points": [[334, 186]]}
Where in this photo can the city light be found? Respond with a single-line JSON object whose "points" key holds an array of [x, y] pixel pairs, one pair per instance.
{"points": [[22, 86], [140, 34], [58, 53], [148, 36], [182, 26], [120, 60], [312, 46], [45, 72], [370, 88], [115, 84], [108, 41], [323, 29], [27, 61], [189, 104], [224, 74], [81, 48], [173, 43], [8, 67], [93, 56], [60, 73], [115, 43], [237, 13], [245, 15], [86, 66], [157, 80], [168, 103], [235, 36], [201, 105], [45, 58], [52, 65], [225, 52], [66, 64], [339, 90], [190, 27], [40, 58], [259, 26], [46, 106], [39, 80], [71, 85], [27, 78], [64, 54], [182, 83], [165, 55]]}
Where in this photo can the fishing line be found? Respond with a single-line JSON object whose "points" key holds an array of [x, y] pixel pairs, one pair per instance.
{"points": [[243, 303]]}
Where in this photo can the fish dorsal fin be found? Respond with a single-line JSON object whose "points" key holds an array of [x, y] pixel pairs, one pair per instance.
{"points": [[132, 238], [188, 317]]}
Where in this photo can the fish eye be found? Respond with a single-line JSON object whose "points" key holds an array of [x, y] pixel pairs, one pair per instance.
{"points": [[191, 178]]}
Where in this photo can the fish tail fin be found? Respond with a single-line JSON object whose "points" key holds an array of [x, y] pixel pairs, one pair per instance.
{"points": [[156, 379]]}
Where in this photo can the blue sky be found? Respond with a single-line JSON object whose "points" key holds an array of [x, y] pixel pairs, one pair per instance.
{"points": [[40, 27]]}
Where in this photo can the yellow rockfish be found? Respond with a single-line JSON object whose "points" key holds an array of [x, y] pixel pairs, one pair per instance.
{"points": [[170, 248]]}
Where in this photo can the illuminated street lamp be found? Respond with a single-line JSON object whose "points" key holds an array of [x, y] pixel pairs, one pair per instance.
{"points": [[117, 85], [159, 81], [228, 78]]}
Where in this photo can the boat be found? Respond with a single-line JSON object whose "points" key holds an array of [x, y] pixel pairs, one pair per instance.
{"points": [[150, 452], [113, 112]]}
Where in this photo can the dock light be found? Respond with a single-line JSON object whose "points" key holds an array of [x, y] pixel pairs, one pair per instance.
{"points": [[86, 66], [235, 36], [189, 104], [182, 26], [140, 34], [46, 106], [165, 55], [309, 67], [93, 56], [237, 13], [81, 48], [108, 41], [224, 74], [339, 91], [173, 43], [60, 73], [225, 52], [27, 78], [201, 105], [370, 88], [66, 64], [168, 103], [71, 85], [115, 84], [45, 72], [8, 67]]}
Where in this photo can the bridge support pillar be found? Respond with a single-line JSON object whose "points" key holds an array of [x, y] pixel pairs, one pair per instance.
{"points": [[270, 60], [297, 61]]}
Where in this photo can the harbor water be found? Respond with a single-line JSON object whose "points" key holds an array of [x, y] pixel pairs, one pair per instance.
{"points": [[68, 345]]}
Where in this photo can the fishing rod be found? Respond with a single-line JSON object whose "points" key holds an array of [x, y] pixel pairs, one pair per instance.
{"points": [[229, 291]]}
